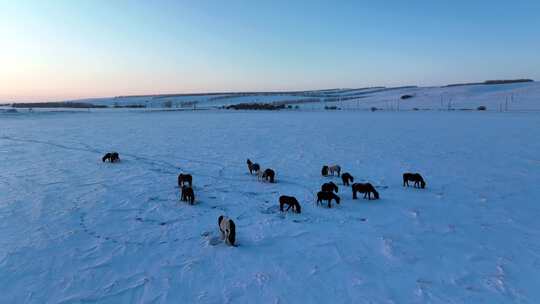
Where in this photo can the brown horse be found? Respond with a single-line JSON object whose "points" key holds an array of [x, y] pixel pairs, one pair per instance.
{"points": [[366, 188], [185, 179], [253, 167], [268, 175], [187, 195], [346, 178], [112, 157], [329, 187], [227, 229], [327, 196], [291, 201], [414, 177]]}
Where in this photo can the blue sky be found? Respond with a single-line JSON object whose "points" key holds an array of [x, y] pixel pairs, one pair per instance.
{"points": [[54, 50]]}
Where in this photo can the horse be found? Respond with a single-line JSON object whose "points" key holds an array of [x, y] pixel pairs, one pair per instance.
{"points": [[324, 170], [327, 196], [187, 195], [267, 175], [366, 188], [253, 167], [334, 169], [112, 157], [414, 177], [329, 187], [183, 179], [227, 229], [291, 201], [346, 178]]}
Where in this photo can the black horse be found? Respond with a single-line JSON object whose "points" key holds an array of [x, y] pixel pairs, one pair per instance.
{"points": [[329, 187], [291, 201], [187, 195], [324, 170], [227, 229], [414, 177], [366, 188], [269, 175], [185, 179], [346, 178], [253, 167], [112, 157], [327, 196]]}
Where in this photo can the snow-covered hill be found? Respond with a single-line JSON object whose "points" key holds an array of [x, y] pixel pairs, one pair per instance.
{"points": [[495, 97], [74, 229]]}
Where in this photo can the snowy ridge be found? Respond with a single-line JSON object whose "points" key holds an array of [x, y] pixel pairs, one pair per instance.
{"points": [[495, 97]]}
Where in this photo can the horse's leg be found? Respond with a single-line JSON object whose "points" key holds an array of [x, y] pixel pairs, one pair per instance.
{"points": [[330, 203]]}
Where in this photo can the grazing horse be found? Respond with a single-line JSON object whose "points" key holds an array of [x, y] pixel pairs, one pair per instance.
{"points": [[227, 229], [324, 170], [112, 157], [267, 175], [414, 177], [291, 201], [327, 196], [366, 188], [184, 179], [253, 167], [187, 195], [334, 169], [346, 178], [329, 187]]}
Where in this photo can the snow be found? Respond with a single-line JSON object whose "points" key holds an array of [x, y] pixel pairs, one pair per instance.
{"points": [[74, 229]]}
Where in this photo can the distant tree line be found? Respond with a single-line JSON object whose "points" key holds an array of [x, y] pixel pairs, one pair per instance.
{"points": [[487, 82], [79, 105]]}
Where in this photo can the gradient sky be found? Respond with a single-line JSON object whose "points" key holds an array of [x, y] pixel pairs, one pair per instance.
{"points": [[57, 50]]}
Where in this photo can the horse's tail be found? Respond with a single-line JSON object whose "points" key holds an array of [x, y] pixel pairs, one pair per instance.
{"points": [[232, 232]]}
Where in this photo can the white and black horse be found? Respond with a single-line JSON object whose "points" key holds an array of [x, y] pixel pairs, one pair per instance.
{"points": [[112, 157], [227, 229]]}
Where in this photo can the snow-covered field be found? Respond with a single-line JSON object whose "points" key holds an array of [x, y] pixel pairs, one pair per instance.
{"points": [[74, 229]]}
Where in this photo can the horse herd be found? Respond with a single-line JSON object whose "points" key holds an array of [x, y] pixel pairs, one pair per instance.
{"points": [[328, 191]]}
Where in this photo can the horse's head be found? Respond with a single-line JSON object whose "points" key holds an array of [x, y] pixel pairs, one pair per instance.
{"points": [[249, 162], [422, 183], [337, 199], [298, 208], [375, 194], [335, 187]]}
